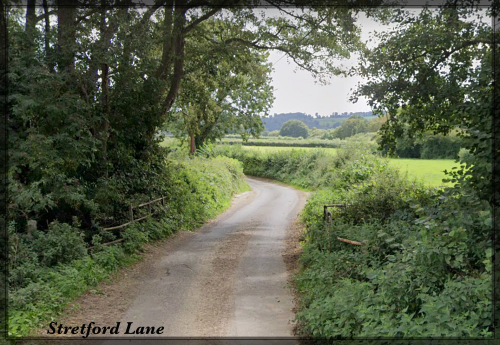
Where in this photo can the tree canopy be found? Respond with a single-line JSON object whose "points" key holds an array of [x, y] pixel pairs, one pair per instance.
{"points": [[353, 125], [224, 90], [294, 128], [433, 72]]}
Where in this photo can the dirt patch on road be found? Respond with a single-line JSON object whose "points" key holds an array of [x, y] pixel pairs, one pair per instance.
{"points": [[293, 251], [109, 300], [215, 289], [293, 248]]}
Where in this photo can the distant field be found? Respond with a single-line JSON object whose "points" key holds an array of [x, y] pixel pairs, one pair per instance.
{"points": [[324, 122]]}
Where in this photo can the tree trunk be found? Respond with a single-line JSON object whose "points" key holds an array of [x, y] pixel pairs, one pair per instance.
{"points": [[167, 52], [48, 52], [30, 16], [104, 131], [30, 28], [3, 146], [106, 111], [66, 34], [192, 148], [178, 50]]}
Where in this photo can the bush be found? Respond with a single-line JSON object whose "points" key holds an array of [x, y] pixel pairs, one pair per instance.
{"points": [[440, 147], [380, 196], [430, 146], [60, 244]]}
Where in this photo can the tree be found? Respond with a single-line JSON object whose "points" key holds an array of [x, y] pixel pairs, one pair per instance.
{"points": [[294, 128], [353, 125], [224, 90], [436, 67], [375, 124]]}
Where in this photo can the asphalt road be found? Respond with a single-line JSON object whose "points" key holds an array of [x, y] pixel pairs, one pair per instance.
{"points": [[230, 279]]}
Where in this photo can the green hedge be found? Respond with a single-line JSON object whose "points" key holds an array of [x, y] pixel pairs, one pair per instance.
{"points": [[289, 142], [430, 146], [310, 169]]}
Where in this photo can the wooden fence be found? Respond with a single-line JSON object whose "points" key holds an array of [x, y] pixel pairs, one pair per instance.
{"points": [[327, 217], [132, 219]]}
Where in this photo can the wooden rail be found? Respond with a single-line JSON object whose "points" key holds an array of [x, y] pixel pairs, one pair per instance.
{"points": [[131, 214], [354, 243], [132, 219], [327, 217]]}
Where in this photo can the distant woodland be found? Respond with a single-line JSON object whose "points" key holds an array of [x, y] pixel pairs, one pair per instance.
{"points": [[274, 122]]}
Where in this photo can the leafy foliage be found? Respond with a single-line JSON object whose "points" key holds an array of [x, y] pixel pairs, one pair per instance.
{"points": [[353, 125], [429, 146], [433, 72], [295, 129], [225, 90], [422, 250], [424, 269]]}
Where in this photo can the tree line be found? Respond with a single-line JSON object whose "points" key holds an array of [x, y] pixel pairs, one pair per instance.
{"points": [[276, 121]]}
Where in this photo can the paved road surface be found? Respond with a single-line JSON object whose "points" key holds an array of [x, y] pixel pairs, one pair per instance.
{"points": [[230, 279]]}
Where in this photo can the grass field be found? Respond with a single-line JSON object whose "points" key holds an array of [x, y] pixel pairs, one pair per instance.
{"points": [[430, 171]]}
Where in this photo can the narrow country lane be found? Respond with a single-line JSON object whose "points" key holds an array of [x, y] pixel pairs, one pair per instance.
{"points": [[228, 279]]}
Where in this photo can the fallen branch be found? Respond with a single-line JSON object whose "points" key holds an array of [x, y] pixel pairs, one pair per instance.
{"points": [[349, 241]]}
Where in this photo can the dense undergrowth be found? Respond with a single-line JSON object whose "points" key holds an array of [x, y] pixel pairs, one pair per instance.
{"points": [[424, 269], [47, 269]]}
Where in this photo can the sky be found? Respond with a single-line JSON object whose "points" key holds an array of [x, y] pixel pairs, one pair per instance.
{"points": [[296, 91]]}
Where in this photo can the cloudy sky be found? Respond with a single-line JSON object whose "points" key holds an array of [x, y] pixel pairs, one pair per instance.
{"points": [[297, 91]]}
